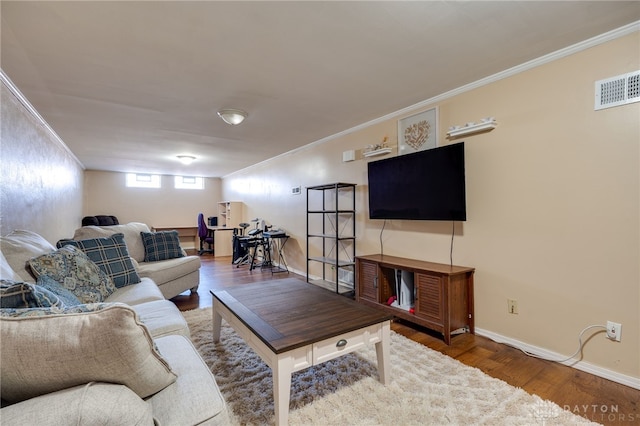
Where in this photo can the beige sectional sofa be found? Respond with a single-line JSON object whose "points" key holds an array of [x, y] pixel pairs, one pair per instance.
{"points": [[173, 276], [126, 359]]}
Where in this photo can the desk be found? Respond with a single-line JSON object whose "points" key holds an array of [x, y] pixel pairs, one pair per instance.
{"points": [[222, 240], [185, 233], [277, 242]]}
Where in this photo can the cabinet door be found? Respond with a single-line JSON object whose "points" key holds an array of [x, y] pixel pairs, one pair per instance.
{"points": [[368, 281], [429, 297]]}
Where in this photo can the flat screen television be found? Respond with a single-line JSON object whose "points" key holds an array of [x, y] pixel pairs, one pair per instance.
{"points": [[426, 185]]}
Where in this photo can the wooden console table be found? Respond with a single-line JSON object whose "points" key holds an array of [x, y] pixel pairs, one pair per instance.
{"points": [[443, 293]]}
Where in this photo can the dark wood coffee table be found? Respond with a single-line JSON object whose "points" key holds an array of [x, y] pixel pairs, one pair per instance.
{"points": [[293, 325]]}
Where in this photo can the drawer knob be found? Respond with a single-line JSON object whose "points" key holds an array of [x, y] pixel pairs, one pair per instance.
{"points": [[341, 343]]}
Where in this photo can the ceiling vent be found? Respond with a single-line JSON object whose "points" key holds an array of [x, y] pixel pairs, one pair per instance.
{"points": [[620, 90]]}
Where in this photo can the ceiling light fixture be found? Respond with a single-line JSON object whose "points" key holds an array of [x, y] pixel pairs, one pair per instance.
{"points": [[186, 159], [232, 116]]}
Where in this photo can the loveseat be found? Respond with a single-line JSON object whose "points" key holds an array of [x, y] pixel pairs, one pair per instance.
{"points": [[173, 275], [91, 349]]}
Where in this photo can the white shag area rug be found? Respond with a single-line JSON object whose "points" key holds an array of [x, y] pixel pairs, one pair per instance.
{"points": [[427, 387]]}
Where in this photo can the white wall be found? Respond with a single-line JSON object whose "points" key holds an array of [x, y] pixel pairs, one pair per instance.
{"points": [[40, 180], [106, 193], [553, 196]]}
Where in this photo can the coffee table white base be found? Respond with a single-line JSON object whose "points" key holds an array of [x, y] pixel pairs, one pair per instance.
{"points": [[284, 364]]}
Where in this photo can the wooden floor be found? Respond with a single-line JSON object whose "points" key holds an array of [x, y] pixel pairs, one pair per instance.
{"points": [[584, 394]]}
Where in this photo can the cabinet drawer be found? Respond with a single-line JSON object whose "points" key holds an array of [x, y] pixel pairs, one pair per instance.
{"points": [[334, 347]]}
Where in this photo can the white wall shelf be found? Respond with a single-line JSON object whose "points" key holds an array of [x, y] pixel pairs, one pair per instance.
{"points": [[381, 151], [472, 128]]}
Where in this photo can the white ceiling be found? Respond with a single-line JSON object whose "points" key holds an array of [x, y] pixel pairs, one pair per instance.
{"points": [[130, 85]]}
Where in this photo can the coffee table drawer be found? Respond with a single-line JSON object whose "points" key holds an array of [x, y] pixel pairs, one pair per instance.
{"points": [[348, 342]]}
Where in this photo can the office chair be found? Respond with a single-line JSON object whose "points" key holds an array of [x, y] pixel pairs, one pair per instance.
{"points": [[205, 234]]}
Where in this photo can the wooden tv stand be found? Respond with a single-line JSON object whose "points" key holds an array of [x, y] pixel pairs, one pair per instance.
{"points": [[443, 293]]}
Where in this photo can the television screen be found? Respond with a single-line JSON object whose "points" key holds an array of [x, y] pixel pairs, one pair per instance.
{"points": [[426, 185]]}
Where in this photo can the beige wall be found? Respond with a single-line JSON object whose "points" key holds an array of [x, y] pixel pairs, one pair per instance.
{"points": [[553, 197], [40, 180], [106, 193]]}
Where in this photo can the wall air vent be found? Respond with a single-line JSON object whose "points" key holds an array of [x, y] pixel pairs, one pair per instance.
{"points": [[620, 90]]}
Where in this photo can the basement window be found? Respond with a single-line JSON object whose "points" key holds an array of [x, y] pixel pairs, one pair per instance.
{"points": [[143, 180], [188, 182]]}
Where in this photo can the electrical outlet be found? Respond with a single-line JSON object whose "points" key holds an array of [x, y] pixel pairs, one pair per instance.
{"points": [[512, 306], [614, 331]]}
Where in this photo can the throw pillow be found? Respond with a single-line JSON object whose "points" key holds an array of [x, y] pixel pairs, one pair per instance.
{"points": [[44, 354], [111, 255], [48, 283], [20, 295], [40, 312], [76, 272], [161, 245], [20, 245]]}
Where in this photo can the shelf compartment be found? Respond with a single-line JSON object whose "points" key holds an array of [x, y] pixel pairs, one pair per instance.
{"points": [[335, 262], [342, 288], [333, 236]]}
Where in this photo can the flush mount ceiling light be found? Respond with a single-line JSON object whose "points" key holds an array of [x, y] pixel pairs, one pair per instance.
{"points": [[186, 159], [232, 116]]}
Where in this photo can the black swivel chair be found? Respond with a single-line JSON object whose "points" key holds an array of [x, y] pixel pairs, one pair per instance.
{"points": [[206, 236]]}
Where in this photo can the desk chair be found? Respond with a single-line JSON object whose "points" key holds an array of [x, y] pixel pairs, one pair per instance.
{"points": [[206, 236]]}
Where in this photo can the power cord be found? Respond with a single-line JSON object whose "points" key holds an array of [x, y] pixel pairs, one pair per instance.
{"points": [[578, 351], [381, 231], [453, 232]]}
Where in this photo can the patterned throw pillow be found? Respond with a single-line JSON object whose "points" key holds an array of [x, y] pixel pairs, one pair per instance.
{"points": [[161, 245], [41, 312], [111, 255], [20, 295], [48, 283], [76, 272]]}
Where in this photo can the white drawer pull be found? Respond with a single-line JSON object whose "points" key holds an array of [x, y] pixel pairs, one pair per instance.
{"points": [[341, 343]]}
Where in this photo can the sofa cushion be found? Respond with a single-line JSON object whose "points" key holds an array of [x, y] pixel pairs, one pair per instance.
{"points": [[161, 245], [111, 255], [20, 246], [195, 397], [67, 298], [76, 272], [89, 404], [21, 295], [169, 270], [145, 291], [131, 232], [162, 318], [108, 345]]}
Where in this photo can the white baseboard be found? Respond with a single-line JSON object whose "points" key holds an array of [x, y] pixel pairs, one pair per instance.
{"points": [[633, 382]]}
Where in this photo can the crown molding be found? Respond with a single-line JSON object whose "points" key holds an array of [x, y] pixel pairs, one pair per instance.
{"points": [[553, 56], [27, 105]]}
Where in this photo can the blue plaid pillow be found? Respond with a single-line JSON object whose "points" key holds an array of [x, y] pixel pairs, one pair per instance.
{"points": [[111, 256], [161, 245]]}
